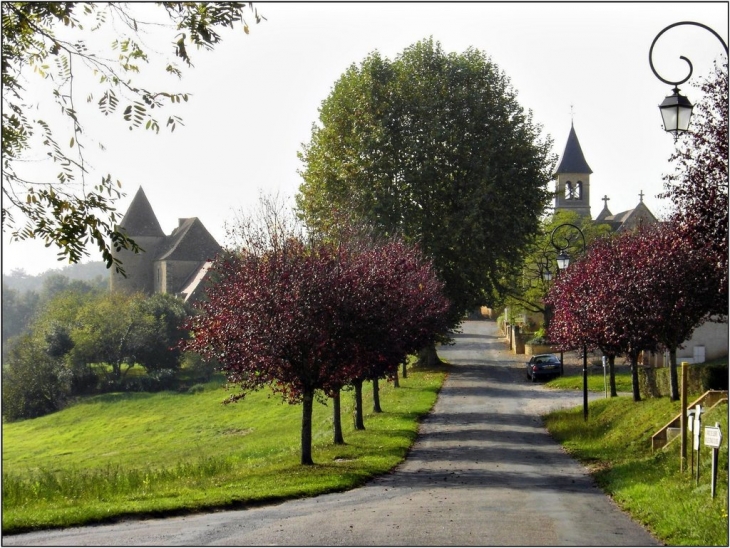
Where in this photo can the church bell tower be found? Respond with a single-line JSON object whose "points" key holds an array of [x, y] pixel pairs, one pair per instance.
{"points": [[573, 179]]}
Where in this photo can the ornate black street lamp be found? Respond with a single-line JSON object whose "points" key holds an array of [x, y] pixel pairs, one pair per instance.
{"points": [[676, 110], [561, 246]]}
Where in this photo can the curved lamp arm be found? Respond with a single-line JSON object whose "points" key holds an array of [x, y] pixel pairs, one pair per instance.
{"points": [[651, 50], [564, 242]]}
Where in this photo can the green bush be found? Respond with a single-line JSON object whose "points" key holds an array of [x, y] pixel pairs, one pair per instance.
{"points": [[33, 383], [197, 369]]}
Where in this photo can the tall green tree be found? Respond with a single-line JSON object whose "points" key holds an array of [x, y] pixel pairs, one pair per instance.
{"points": [[432, 146], [58, 42]]}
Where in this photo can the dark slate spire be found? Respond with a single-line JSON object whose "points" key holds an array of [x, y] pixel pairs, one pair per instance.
{"points": [[140, 220], [573, 160]]}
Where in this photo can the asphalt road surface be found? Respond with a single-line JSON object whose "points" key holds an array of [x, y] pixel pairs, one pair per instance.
{"points": [[484, 471]]}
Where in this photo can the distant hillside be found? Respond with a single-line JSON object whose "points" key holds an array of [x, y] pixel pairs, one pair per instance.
{"points": [[20, 281]]}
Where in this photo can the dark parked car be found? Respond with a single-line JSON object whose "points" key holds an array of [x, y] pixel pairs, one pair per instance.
{"points": [[544, 365]]}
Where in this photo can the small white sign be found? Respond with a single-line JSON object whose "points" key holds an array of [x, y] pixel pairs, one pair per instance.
{"points": [[713, 436]]}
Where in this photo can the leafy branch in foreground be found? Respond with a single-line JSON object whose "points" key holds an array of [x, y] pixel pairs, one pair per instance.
{"points": [[49, 51]]}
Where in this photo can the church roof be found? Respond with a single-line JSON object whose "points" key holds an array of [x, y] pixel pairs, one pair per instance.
{"points": [[140, 220], [190, 241], [573, 160], [627, 219]]}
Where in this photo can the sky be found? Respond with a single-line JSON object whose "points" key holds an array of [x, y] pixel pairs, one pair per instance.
{"points": [[253, 99]]}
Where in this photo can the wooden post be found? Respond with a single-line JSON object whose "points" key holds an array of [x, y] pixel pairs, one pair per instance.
{"points": [[683, 419]]}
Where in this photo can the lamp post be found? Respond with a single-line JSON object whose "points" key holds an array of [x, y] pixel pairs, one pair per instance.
{"points": [[563, 260], [676, 109]]}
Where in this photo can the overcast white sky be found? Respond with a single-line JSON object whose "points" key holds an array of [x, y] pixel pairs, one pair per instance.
{"points": [[255, 97]]}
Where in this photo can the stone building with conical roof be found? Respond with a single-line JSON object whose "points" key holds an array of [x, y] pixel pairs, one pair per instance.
{"points": [[174, 264]]}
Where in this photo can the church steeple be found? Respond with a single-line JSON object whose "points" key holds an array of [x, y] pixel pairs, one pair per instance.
{"points": [[572, 186]]}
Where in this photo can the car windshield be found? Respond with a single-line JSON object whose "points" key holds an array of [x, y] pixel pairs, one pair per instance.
{"points": [[550, 359]]}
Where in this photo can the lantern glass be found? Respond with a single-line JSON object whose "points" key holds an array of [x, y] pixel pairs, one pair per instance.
{"points": [[563, 260], [676, 112]]}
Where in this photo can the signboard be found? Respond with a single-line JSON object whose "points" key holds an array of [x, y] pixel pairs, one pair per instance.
{"points": [[713, 436]]}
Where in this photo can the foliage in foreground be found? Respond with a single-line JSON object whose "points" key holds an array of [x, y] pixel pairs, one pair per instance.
{"points": [[132, 454], [615, 443], [55, 42]]}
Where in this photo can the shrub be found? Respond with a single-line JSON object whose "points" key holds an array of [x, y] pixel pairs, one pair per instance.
{"points": [[33, 383], [196, 389], [654, 381], [197, 368]]}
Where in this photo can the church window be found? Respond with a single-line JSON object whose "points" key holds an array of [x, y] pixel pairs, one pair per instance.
{"points": [[578, 190], [569, 191]]}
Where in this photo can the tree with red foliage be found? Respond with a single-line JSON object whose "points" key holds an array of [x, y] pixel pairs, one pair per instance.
{"points": [[601, 301], [698, 187], [634, 292], [681, 282], [302, 318], [401, 310], [273, 319]]}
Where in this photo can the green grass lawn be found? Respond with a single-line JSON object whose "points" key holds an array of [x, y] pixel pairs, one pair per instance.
{"points": [[615, 443], [595, 381], [154, 454]]}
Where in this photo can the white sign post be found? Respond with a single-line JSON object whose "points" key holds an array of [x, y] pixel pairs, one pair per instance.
{"points": [[713, 438], [696, 431]]}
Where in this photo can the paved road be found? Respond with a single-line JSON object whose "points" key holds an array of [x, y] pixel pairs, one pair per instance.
{"points": [[484, 471]]}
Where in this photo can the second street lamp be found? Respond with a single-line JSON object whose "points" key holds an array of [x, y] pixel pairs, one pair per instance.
{"points": [[561, 246], [676, 109]]}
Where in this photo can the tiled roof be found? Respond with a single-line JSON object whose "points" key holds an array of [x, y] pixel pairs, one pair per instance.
{"points": [[573, 160], [140, 220], [190, 241]]}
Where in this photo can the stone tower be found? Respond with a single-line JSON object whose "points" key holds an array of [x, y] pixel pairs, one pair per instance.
{"points": [[573, 179], [140, 224]]}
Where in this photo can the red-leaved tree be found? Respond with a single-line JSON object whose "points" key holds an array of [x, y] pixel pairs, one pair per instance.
{"points": [[698, 187], [632, 292], [273, 319], [682, 283], [306, 317], [602, 301], [401, 309]]}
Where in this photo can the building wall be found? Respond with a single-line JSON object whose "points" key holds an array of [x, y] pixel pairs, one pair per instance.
{"points": [[137, 267], [170, 275], [709, 340]]}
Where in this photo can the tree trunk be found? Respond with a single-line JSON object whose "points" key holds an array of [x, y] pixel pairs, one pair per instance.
{"points": [[396, 382], [307, 401], [359, 424], [634, 357], [674, 381], [404, 370], [337, 419], [612, 375], [376, 397], [427, 357]]}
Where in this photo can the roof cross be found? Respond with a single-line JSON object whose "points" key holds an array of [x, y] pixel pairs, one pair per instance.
{"points": [[641, 196], [605, 201]]}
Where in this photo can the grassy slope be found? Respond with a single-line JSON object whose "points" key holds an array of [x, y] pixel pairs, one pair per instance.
{"points": [[615, 443], [141, 453], [126, 454]]}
